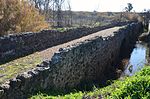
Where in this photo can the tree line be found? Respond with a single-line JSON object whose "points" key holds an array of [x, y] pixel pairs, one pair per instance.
{"points": [[52, 9], [35, 15]]}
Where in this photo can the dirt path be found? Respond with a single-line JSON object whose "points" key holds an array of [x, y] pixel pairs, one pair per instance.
{"points": [[48, 53]]}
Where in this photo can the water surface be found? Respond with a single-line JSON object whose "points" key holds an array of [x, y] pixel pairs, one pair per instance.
{"points": [[137, 59]]}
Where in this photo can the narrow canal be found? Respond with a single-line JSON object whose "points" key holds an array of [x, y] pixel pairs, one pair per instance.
{"points": [[137, 59]]}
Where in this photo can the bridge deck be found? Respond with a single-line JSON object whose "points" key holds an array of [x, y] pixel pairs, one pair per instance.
{"points": [[48, 53], [14, 67]]}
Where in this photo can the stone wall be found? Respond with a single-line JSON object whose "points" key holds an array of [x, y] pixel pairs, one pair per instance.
{"points": [[88, 61], [14, 46]]}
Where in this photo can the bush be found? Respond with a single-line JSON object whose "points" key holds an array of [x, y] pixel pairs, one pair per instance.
{"points": [[19, 16], [134, 88], [144, 72]]}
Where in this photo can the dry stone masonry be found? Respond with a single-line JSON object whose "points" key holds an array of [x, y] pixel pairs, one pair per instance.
{"points": [[14, 46], [86, 61]]}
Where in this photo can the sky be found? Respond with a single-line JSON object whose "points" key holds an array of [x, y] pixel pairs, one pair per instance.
{"points": [[108, 5]]}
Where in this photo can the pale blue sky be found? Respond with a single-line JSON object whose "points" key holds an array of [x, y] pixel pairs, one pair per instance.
{"points": [[108, 5]]}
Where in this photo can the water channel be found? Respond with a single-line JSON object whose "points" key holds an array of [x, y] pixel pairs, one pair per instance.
{"points": [[137, 60]]}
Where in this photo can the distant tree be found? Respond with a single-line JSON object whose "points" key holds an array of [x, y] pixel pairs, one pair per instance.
{"points": [[58, 8], [129, 7], [52, 10], [38, 4], [68, 16], [44, 7], [146, 15]]}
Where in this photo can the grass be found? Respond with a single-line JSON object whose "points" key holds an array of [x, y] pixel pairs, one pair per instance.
{"points": [[63, 29], [135, 87], [12, 68]]}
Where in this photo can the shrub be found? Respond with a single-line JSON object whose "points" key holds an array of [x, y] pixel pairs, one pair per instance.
{"points": [[19, 16], [144, 72], [134, 88]]}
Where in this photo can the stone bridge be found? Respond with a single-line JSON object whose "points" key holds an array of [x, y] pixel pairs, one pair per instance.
{"points": [[89, 59]]}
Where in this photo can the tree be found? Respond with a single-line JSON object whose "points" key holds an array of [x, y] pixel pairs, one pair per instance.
{"points": [[58, 7], [37, 4], [68, 15], [146, 17], [44, 7], [129, 7], [19, 16]]}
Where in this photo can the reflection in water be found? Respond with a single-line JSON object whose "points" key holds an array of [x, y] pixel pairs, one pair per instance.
{"points": [[137, 59]]}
